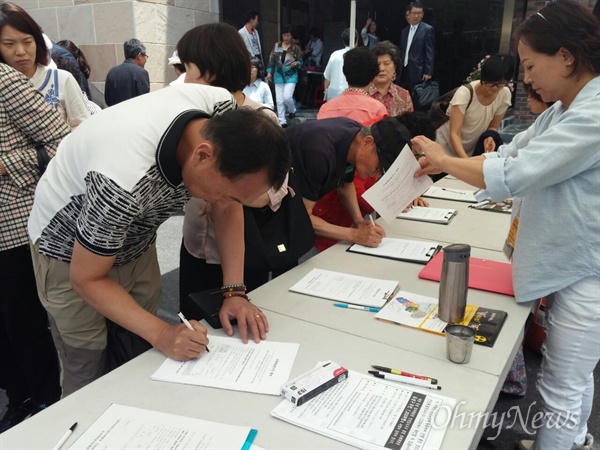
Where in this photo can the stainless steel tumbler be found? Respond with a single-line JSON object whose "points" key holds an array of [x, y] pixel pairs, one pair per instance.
{"points": [[454, 283]]}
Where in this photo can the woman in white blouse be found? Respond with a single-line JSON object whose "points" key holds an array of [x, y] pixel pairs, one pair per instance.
{"points": [[22, 47], [478, 110], [258, 90]]}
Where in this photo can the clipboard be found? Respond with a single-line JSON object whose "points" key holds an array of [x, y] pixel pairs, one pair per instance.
{"points": [[484, 274], [430, 250], [442, 217]]}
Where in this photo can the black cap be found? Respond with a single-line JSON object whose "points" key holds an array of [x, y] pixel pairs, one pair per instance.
{"points": [[390, 138]]}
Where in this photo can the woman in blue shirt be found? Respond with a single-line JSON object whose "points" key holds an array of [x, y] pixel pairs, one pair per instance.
{"points": [[554, 167]]}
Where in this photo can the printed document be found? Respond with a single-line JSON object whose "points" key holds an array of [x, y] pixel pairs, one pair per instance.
{"points": [[433, 215], [135, 428], [371, 413], [398, 187], [343, 287], [400, 249], [231, 364]]}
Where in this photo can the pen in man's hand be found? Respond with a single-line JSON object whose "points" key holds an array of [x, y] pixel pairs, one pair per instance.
{"points": [[64, 437], [189, 325], [372, 221]]}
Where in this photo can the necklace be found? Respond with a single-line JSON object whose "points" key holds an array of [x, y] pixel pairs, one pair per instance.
{"points": [[359, 90]]}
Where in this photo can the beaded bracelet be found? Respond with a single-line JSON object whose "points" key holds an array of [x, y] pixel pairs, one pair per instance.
{"points": [[234, 287], [233, 294]]}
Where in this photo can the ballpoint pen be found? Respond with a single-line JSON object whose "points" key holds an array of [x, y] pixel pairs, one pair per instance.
{"points": [[362, 308], [372, 221], [189, 325], [406, 380], [406, 374], [64, 437], [454, 190]]}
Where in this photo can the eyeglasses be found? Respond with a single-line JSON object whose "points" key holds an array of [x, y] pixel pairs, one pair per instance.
{"points": [[497, 84], [145, 56], [416, 13]]}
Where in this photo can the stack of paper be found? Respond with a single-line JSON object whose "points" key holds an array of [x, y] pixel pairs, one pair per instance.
{"points": [[231, 364], [343, 287], [127, 427], [371, 413]]}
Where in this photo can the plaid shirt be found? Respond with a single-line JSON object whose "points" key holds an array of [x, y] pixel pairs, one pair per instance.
{"points": [[25, 121], [397, 101]]}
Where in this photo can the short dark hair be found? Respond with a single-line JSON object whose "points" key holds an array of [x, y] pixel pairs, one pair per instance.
{"points": [[248, 141], [498, 67], [256, 62], [132, 48], [250, 15], [360, 66], [287, 29], [418, 124], [17, 17], [78, 55], [70, 66], [217, 49], [346, 36], [314, 31], [419, 5], [388, 48], [569, 25]]}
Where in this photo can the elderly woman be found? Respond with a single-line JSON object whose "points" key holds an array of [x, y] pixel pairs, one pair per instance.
{"points": [[29, 371], [396, 99], [554, 168], [284, 63]]}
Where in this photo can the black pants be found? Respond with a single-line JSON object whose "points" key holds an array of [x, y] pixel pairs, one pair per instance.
{"points": [[28, 360]]}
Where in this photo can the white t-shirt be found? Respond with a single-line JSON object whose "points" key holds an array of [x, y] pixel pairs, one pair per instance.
{"points": [[115, 179], [69, 102], [335, 74], [476, 120]]}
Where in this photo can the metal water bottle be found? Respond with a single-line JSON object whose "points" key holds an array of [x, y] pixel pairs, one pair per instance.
{"points": [[454, 283]]}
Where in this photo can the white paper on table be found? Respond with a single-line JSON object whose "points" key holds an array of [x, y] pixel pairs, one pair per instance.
{"points": [[460, 195], [426, 214], [401, 249], [231, 364], [346, 288], [372, 413], [135, 428], [398, 187]]}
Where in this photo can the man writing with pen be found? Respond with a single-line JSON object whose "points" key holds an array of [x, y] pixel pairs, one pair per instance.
{"points": [[325, 155]]}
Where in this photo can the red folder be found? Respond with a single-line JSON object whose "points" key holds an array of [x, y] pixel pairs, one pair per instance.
{"points": [[484, 274]]}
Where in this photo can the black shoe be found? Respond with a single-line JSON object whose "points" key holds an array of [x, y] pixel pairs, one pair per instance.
{"points": [[292, 115], [284, 125], [15, 415]]}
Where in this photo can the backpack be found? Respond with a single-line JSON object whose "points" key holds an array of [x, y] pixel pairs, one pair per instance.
{"points": [[437, 113]]}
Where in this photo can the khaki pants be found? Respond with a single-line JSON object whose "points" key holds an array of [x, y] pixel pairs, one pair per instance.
{"points": [[78, 330]]}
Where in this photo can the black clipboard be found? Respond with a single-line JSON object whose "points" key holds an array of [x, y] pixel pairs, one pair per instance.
{"points": [[430, 254]]}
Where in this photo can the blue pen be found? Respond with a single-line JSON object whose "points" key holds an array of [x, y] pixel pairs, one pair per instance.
{"points": [[362, 308]]}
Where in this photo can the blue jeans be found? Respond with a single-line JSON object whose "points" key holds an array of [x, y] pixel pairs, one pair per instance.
{"points": [[570, 354]]}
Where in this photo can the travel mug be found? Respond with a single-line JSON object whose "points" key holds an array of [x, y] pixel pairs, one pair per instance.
{"points": [[454, 283]]}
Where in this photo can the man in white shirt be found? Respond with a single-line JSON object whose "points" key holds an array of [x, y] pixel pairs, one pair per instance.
{"points": [[250, 35], [335, 80]]}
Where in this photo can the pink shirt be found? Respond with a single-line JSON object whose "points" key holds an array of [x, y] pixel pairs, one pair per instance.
{"points": [[354, 105]]}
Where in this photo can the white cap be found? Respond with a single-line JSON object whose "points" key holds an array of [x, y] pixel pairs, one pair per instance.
{"points": [[174, 59]]}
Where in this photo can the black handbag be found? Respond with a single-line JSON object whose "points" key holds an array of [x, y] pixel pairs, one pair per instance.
{"points": [[437, 113], [43, 158], [424, 94], [122, 345], [276, 240]]}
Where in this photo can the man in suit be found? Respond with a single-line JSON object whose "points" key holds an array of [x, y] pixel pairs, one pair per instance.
{"points": [[417, 47], [129, 79]]}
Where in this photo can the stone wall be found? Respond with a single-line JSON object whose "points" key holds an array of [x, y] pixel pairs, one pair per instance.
{"points": [[99, 28]]}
